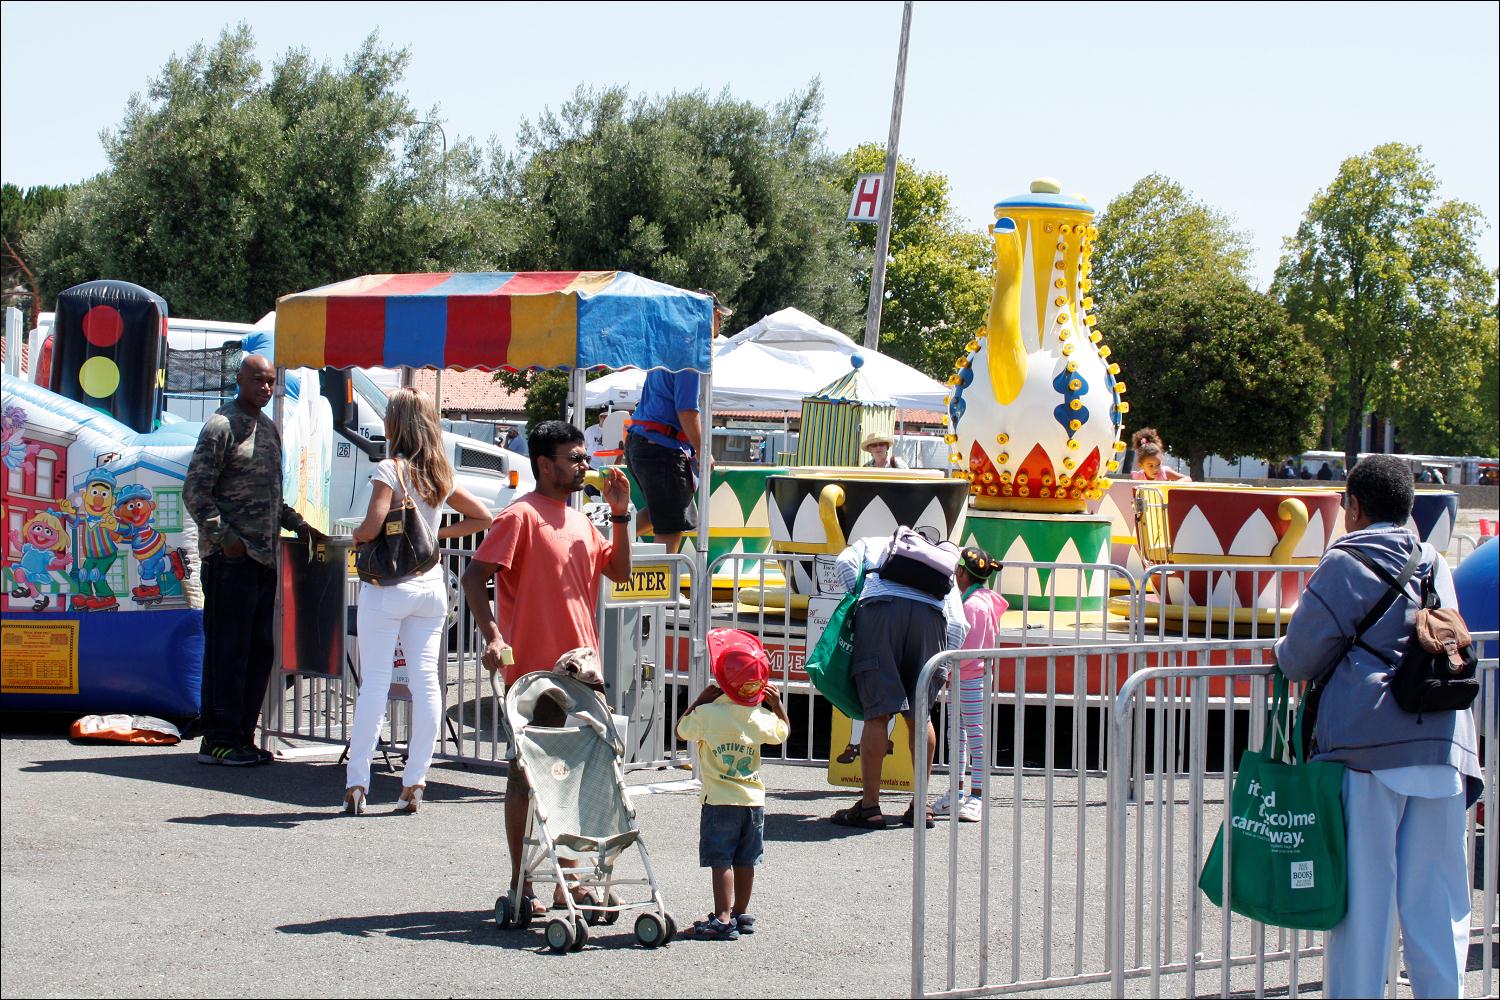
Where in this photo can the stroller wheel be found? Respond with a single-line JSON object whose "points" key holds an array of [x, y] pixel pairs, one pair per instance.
{"points": [[580, 934], [612, 917], [650, 930], [503, 918], [559, 934], [671, 929]]}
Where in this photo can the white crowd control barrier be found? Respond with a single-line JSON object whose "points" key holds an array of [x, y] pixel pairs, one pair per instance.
{"points": [[649, 657], [1083, 868]]}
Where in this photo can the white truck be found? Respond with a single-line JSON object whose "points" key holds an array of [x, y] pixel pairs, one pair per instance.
{"points": [[202, 356]]}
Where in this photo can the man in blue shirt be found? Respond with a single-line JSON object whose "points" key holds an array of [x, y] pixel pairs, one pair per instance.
{"points": [[665, 436]]}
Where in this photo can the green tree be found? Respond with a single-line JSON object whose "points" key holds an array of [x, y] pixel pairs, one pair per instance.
{"points": [[1388, 282], [1155, 234], [1472, 428], [938, 272], [20, 211], [227, 188], [1218, 369], [696, 191]]}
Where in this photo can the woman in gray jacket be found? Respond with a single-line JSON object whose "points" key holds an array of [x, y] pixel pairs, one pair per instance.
{"points": [[1408, 780]]}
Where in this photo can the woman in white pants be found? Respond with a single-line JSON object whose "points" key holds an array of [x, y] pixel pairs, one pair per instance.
{"points": [[413, 610]]}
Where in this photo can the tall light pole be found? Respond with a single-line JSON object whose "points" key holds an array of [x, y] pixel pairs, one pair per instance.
{"points": [[887, 192]]}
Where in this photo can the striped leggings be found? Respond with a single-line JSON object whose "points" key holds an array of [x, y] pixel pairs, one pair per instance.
{"points": [[971, 713]]}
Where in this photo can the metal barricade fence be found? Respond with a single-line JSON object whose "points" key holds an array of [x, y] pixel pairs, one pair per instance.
{"points": [[1127, 844], [653, 651], [1069, 604]]}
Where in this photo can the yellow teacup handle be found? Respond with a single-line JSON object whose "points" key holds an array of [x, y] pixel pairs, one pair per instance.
{"points": [[829, 502], [1294, 511]]}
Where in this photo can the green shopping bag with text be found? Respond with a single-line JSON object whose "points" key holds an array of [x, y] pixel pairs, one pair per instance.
{"points": [[828, 666], [1287, 863]]}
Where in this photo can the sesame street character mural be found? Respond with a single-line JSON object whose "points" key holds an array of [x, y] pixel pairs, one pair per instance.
{"points": [[160, 568], [43, 547], [91, 518], [18, 454]]}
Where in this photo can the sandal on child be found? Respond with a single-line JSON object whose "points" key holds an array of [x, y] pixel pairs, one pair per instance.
{"points": [[860, 817], [745, 922], [712, 929]]}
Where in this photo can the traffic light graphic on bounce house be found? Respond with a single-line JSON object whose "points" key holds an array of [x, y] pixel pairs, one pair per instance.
{"points": [[109, 342]]}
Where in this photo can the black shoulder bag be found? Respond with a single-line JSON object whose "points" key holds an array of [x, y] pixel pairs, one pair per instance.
{"points": [[405, 547]]}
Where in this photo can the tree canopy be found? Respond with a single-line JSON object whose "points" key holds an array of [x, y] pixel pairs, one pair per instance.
{"points": [[227, 189], [1387, 280], [1157, 233], [938, 271], [693, 190], [1218, 369]]}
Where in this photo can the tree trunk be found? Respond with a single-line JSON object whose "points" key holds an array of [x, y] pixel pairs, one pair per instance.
{"points": [[1197, 458], [1353, 420]]}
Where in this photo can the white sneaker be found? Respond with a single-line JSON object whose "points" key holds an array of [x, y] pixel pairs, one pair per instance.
{"points": [[971, 810], [943, 807]]}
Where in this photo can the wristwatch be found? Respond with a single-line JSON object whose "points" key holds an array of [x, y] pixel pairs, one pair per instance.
{"points": [[620, 518]]}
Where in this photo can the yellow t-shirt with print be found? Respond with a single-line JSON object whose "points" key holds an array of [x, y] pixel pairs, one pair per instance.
{"points": [[729, 737]]}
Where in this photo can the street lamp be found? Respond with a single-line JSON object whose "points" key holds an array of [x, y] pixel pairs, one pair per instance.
{"points": [[444, 134]]}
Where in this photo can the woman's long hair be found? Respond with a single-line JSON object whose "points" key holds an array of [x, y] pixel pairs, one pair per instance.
{"points": [[412, 432]]}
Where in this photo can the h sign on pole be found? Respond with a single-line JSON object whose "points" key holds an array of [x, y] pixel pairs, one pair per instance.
{"points": [[864, 206]]}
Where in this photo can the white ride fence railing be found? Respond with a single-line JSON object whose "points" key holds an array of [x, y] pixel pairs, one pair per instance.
{"points": [[1086, 876]]}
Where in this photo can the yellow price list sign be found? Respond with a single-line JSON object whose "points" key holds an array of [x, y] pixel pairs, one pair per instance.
{"points": [[39, 657]]}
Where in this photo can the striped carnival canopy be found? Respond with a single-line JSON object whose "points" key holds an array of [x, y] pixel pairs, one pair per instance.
{"points": [[496, 319]]}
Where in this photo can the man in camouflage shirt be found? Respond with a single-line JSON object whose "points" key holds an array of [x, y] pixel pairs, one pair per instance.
{"points": [[233, 492]]}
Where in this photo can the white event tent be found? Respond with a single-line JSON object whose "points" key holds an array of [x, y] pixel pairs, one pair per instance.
{"points": [[773, 364]]}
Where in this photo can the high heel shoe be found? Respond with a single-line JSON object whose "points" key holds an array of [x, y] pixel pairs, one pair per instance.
{"points": [[354, 801], [411, 799]]}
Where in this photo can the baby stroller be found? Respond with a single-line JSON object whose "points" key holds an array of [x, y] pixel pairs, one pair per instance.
{"points": [[579, 806]]}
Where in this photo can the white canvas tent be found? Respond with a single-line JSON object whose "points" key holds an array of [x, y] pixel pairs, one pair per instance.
{"points": [[773, 364]]}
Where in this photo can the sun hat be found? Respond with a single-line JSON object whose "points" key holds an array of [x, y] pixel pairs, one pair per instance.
{"points": [[875, 437], [740, 665]]}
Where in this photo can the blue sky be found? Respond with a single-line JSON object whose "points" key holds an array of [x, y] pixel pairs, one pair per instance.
{"points": [[1252, 107]]}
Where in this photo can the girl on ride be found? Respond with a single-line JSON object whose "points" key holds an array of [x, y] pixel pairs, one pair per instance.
{"points": [[413, 610], [1149, 453]]}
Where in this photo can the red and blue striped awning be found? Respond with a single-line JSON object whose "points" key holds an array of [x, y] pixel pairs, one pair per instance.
{"points": [[496, 319]]}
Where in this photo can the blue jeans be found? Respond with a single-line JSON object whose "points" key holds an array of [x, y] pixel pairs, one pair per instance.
{"points": [[731, 836]]}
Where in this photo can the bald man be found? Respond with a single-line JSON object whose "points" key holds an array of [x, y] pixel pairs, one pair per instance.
{"points": [[233, 492]]}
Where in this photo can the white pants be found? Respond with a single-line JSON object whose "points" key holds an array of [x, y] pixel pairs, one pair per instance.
{"points": [[415, 613], [1410, 853]]}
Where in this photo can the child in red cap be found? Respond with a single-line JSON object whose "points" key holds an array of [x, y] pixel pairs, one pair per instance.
{"points": [[729, 721]]}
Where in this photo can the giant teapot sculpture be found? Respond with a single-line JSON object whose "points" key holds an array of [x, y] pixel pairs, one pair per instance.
{"points": [[1034, 418]]}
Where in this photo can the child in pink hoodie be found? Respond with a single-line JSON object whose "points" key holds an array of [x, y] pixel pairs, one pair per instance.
{"points": [[983, 608]]}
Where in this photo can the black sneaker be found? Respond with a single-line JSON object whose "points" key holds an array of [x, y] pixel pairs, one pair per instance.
{"points": [[261, 756], [227, 755]]}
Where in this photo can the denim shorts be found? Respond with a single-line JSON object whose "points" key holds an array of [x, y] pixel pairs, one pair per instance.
{"points": [[731, 836]]}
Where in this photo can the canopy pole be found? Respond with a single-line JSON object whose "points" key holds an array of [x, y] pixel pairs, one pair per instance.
{"points": [[702, 597], [578, 415]]}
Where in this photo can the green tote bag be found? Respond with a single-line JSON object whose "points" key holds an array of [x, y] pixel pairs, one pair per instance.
{"points": [[1287, 864], [828, 666]]}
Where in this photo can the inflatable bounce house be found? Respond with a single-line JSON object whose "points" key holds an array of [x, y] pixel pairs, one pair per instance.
{"points": [[101, 603], [100, 555]]}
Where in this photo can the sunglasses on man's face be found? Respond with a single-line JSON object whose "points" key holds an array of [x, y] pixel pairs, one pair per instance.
{"points": [[574, 458]]}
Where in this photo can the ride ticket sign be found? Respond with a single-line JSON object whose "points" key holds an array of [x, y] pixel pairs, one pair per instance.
{"points": [[39, 657]]}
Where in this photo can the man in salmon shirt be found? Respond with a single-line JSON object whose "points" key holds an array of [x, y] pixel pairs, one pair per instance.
{"points": [[545, 558]]}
